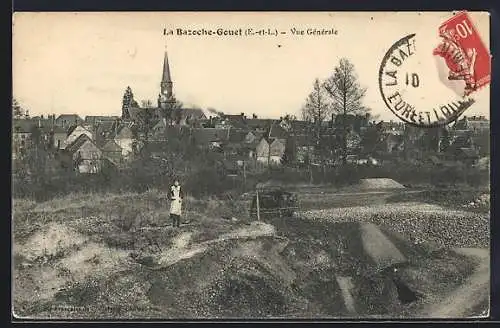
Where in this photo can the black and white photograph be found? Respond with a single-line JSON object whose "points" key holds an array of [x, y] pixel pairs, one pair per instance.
{"points": [[250, 165]]}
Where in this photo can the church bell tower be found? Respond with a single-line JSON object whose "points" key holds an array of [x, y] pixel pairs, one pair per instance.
{"points": [[166, 86]]}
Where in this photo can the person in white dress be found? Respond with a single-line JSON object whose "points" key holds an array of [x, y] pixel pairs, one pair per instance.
{"points": [[176, 196]]}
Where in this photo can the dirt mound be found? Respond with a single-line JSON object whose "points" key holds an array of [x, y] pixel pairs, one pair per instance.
{"points": [[377, 184], [52, 241]]}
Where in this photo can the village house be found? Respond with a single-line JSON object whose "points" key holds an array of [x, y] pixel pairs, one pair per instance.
{"points": [[68, 120], [192, 116], [125, 138], [277, 149], [113, 152], [212, 138], [350, 121], [262, 152], [304, 149], [104, 131], [95, 120], [252, 137], [270, 153], [85, 154], [235, 121], [75, 132], [259, 125], [478, 124], [277, 132], [59, 136], [21, 137]]}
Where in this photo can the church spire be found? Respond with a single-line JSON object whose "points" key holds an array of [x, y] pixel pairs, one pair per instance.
{"points": [[166, 81]]}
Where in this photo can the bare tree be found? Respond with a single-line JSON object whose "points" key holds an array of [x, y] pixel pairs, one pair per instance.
{"points": [[316, 109], [346, 95]]}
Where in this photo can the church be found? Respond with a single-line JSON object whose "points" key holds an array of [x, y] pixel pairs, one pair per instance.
{"points": [[169, 111]]}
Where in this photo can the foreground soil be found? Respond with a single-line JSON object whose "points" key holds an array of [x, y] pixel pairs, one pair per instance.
{"points": [[115, 256]]}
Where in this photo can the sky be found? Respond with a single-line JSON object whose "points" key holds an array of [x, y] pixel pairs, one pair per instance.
{"points": [[82, 62]]}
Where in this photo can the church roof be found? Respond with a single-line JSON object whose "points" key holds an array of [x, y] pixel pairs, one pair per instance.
{"points": [[166, 69]]}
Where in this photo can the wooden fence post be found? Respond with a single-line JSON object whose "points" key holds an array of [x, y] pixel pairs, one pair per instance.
{"points": [[258, 205]]}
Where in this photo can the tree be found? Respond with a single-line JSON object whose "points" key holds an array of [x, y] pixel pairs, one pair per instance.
{"points": [[128, 102], [172, 111], [145, 118], [346, 95], [371, 141], [289, 154], [17, 111], [316, 109]]}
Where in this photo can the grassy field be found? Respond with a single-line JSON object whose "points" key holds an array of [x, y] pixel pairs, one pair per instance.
{"points": [[72, 257]]}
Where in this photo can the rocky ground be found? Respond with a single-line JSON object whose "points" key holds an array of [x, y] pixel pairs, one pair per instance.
{"points": [[114, 256]]}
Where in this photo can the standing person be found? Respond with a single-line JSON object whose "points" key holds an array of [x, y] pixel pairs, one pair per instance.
{"points": [[176, 196]]}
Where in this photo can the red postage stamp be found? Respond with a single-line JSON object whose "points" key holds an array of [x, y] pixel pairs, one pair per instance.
{"points": [[464, 52]]}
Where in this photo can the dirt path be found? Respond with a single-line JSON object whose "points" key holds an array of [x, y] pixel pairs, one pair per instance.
{"points": [[345, 284], [380, 249], [472, 293]]}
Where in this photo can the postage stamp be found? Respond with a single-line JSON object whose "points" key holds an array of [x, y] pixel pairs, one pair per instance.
{"points": [[464, 53], [461, 68]]}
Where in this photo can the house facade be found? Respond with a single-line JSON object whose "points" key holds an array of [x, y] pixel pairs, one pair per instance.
{"points": [[85, 154], [270, 153], [59, 136], [277, 149], [262, 152]]}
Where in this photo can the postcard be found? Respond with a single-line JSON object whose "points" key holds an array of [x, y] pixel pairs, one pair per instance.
{"points": [[250, 165]]}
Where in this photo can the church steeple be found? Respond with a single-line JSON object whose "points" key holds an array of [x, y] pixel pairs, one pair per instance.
{"points": [[166, 81]]}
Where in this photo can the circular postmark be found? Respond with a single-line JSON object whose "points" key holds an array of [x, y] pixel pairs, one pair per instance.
{"points": [[413, 86]]}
